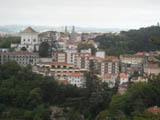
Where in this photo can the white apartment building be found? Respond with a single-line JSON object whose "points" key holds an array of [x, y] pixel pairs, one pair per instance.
{"points": [[110, 79], [76, 79], [123, 78]]}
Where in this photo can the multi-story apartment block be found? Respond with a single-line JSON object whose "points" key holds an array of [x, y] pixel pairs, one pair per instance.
{"points": [[131, 59], [23, 58], [152, 69], [60, 57], [69, 55], [80, 60], [108, 66], [58, 70], [132, 63]]}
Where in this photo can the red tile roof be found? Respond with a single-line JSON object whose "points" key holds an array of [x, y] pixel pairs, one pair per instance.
{"points": [[154, 110], [29, 30], [107, 75], [111, 57], [95, 58], [123, 75], [76, 75], [139, 53], [53, 63]]}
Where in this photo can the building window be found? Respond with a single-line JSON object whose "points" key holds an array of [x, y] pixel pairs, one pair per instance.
{"points": [[28, 40], [34, 40]]}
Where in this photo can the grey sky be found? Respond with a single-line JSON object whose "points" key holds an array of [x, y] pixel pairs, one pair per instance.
{"points": [[87, 13]]}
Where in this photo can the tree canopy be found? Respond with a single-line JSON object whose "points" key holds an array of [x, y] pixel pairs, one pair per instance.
{"points": [[44, 49], [131, 41], [5, 42]]}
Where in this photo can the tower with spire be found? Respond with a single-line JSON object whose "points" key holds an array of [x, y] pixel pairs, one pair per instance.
{"points": [[73, 34], [73, 29], [66, 30]]}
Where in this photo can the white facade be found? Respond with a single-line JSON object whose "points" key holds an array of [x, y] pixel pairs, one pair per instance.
{"points": [[100, 54], [29, 40], [76, 79], [87, 51], [110, 79], [72, 46], [21, 57], [123, 78]]}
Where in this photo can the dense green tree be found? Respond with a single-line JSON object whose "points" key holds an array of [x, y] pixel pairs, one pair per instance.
{"points": [[25, 95], [5, 42], [44, 49], [98, 95], [146, 115], [137, 99], [23, 49], [130, 42]]}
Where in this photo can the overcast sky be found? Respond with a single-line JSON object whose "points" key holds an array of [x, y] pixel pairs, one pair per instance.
{"points": [[84, 13]]}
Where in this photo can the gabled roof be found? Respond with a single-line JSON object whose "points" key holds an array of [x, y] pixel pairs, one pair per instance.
{"points": [[29, 30]]}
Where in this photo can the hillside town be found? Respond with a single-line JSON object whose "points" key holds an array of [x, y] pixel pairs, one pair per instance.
{"points": [[67, 64]]}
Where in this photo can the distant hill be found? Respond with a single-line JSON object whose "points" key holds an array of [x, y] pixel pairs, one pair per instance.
{"points": [[16, 28], [131, 41]]}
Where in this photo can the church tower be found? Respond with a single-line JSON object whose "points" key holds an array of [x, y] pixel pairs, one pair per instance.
{"points": [[73, 34], [73, 29], [66, 30]]}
